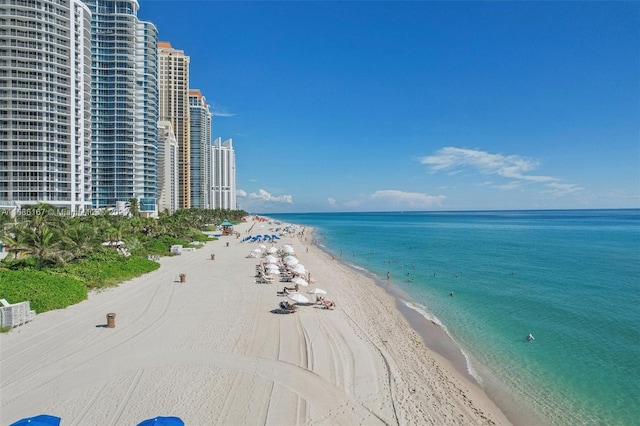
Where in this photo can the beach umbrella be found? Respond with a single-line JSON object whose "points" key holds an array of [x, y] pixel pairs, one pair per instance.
{"points": [[287, 249], [299, 269], [300, 281], [317, 291], [272, 250], [162, 421], [291, 261], [40, 420], [271, 259], [297, 297], [273, 269], [262, 246]]}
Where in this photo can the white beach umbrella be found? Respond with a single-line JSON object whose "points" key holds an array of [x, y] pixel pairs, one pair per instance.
{"points": [[317, 291], [288, 249], [297, 297], [272, 250], [291, 261], [271, 259], [299, 281], [299, 269], [262, 246]]}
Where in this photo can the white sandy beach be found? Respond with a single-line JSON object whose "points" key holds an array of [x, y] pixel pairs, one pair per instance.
{"points": [[213, 352]]}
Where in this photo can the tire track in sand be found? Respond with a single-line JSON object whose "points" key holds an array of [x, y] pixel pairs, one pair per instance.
{"points": [[28, 388]]}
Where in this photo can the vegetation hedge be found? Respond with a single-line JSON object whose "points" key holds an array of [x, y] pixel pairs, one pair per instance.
{"points": [[44, 290], [106, 268]]}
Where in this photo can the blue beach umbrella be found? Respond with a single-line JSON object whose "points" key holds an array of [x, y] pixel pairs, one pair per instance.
{"points": [[162, 421], [41, 420]]}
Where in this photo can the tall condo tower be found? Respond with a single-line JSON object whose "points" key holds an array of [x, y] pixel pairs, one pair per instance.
{"points": [[200, 150], [45, 110], [167, 168], [124, 105], [173, 78], [223, 182]]}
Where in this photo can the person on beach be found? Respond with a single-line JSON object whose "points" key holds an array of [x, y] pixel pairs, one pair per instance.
{"points": [[291, 289], [285, 305], [327, 304], [388, 275], [530, 338]]}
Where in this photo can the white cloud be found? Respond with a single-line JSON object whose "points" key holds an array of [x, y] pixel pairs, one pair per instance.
{"points": [[512, 167], [219, 110], [408, 199], [562, 189], [509, 166], [241, 193], [266, 196], [331, 201]]}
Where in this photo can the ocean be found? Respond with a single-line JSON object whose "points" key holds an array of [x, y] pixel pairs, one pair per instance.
{"points": [[571, 278]]}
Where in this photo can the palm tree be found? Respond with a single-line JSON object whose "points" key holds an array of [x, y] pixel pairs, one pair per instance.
{"points": [[42, 242], [134, 207], [80, 239]]}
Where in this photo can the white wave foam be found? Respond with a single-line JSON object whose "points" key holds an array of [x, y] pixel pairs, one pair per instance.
{"points": [[423, 311]]}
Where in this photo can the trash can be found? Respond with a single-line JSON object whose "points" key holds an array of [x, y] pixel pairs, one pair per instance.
{"points": [[227, 243], [183, 278], [111, 320]]}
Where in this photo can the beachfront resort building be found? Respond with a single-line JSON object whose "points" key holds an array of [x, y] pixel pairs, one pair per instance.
{"points": [[173, 81], [45, 110], [223, 180], [124, 106], [200, 150], [167, 168]]}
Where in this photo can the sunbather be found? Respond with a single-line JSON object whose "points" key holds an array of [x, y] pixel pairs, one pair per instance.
{"points": [[291, 289], [327, 304], [286, 306]]}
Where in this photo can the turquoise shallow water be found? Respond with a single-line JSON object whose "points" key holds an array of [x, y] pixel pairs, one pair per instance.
{"points": [[571, 278]]}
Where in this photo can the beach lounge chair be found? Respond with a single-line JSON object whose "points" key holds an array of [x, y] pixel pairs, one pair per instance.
{"points": [[264, 279], [15, 314]]}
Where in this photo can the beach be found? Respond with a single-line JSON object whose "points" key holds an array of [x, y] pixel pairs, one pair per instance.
{"points": [[214, 350]]}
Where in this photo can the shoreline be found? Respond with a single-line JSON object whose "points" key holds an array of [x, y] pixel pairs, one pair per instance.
{"points": [[438, 340], [214, 350], [433, 335]]}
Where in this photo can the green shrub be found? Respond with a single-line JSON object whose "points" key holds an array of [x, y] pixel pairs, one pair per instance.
{"points": [[43, 290], [107, 268]]}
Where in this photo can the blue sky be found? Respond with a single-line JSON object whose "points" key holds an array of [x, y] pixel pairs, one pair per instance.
{"points": [[381, 106]]}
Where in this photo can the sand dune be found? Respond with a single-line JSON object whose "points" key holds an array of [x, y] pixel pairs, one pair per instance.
{"points": [[212, 351]]}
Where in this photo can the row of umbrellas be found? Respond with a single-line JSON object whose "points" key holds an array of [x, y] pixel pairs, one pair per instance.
{"points": [[49, 420], [286, 250], [301, 298], [259, 238]]}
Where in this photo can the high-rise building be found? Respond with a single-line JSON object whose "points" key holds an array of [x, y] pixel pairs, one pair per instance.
{"points": [[167, 168], [124, 105], [45, 94], [223, 182], [173, 79], [200, 150]]}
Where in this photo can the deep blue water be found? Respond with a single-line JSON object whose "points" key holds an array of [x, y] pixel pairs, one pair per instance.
{"points": [[571, 278]]}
